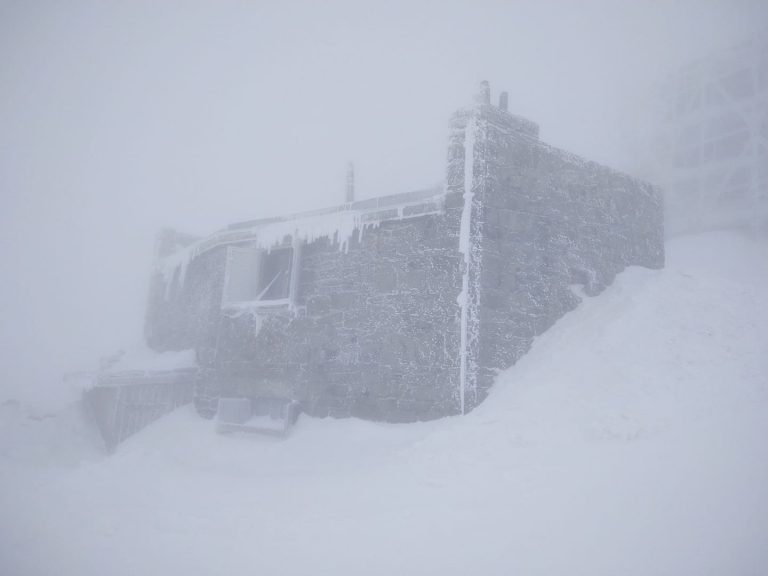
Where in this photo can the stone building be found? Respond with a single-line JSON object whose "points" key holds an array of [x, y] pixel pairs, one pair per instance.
{"points": [[404, 307]]}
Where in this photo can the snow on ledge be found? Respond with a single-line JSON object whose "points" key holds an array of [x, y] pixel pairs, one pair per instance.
{"points": [[143, 359]]}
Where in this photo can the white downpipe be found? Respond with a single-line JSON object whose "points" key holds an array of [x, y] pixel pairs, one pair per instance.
{"points": [[464, 248]]}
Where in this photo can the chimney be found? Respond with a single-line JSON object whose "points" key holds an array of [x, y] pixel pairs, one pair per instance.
{"points": [[350, 183], [504, 101], [483, 95]]}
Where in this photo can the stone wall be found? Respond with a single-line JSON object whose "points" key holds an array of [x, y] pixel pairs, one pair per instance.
{"points": [[372, 332], [548, 220], [185, 313]]}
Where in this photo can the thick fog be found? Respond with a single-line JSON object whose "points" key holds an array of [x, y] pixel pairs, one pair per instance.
{"points": [[509, 371], [119, 118]]}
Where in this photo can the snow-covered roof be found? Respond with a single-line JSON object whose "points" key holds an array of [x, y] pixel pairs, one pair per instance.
{"points": [[143, 359]]}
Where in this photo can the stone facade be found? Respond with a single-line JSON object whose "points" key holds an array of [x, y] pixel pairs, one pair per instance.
{"points": [[404, 308]]}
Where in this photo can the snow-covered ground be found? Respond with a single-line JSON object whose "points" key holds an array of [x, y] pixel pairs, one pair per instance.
{"points": [[632, 439]]}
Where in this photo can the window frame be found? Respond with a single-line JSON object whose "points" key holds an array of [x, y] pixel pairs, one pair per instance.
{"points": [[259, 254]]}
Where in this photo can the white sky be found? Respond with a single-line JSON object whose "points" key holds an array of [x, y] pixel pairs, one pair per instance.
{"points": [[118, 118]]}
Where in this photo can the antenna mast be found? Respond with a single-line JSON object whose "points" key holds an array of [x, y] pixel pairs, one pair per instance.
{"points": [[350, 182]]}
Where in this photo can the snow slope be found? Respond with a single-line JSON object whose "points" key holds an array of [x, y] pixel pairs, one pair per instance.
{"points": [[630, 440]]}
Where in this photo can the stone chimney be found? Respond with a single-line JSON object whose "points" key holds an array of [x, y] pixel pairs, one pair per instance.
{"points": [[483, 95], [504, 101]]}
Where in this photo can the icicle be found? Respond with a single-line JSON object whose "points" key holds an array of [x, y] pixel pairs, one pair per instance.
{"points": [[337, 226], [173, 264]]}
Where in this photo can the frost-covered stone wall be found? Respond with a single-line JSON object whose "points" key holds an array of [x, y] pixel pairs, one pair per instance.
{"points": [[409, 314], [544, 221], [372, 331]]}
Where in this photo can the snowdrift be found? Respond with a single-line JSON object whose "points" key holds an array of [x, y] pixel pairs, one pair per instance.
{"points": [[630, 440]]}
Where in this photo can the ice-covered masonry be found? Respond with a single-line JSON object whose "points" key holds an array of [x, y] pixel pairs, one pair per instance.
{"points": [[404, 307]]}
